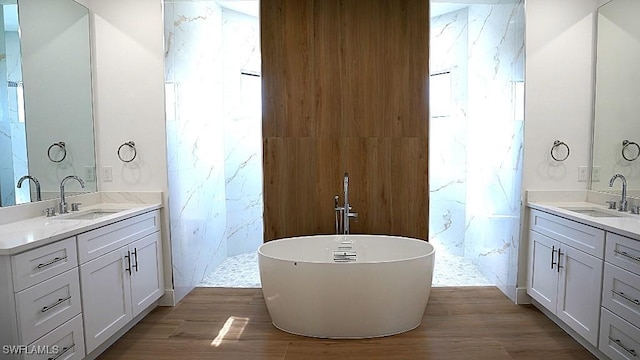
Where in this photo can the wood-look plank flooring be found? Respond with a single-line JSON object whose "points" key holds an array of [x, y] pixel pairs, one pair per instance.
{"points": [[459, 323]]}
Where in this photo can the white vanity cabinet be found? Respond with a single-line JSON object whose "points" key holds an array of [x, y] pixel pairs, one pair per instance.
{"points": [[620, 319], [41, 307], [120, 274], [69, 298], [565, 270]]}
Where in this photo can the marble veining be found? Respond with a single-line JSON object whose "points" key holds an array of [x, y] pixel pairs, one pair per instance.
{"points": [[214, 163], [476, 149]]}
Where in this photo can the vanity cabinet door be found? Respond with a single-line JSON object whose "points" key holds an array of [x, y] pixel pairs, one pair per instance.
{"points": [[106, 296], [543, 271], [146, 274], [579, 290]]}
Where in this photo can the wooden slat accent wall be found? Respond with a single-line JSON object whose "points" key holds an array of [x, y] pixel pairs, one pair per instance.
{"points": [[345, 88]]}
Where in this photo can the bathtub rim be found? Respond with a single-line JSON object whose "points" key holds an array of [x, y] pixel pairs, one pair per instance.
{"points": [[428, 254]]}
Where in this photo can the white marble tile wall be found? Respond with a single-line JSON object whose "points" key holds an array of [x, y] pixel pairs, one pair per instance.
{"points": [[195, 142], [213, 136], [448, 146], [7, 194], [488, 142], [12, 130], [242, 132], [18, 131]]}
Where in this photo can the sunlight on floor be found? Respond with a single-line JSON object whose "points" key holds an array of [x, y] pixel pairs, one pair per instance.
{"points": [[231, 330]]}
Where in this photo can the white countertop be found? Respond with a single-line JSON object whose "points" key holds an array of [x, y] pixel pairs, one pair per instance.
{"points": [[19, 236], [627, 225]]}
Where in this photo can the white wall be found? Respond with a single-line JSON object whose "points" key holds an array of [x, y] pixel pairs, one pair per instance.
{"points": [[128, 70], [559, 90], [559, 48]]}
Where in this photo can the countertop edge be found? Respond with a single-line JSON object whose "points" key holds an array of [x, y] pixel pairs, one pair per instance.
{"points": [[75, 226], [628, 225]]}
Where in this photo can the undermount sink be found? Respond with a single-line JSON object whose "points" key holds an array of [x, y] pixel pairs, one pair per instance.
{"points": [[594, 212], [90, 214]]}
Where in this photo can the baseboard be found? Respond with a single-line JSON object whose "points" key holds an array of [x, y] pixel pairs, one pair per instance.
{"points": [[522, 297], [168, 299]]}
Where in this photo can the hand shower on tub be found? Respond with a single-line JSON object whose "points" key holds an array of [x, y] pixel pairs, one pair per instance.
{"points": [[343, 213]]}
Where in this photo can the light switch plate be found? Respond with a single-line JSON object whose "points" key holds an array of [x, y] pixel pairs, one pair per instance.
{"points": [[595, 174], [89, 173], [107, 174], [583, 173]]}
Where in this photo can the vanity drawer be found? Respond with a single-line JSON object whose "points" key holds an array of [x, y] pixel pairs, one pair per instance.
{"points": [[574, 234], [621, 293], [618, 338], [34, 266], [98, 242], [64, 343], [624, 252], [43, 307]]}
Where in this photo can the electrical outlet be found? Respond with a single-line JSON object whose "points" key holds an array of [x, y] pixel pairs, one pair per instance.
{"points": [[89, 173], [583, 173], [595, 174], [107, 174]]}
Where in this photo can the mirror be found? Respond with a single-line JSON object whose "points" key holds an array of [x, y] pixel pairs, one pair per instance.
{"points": [[617, 103], [46, 120]]}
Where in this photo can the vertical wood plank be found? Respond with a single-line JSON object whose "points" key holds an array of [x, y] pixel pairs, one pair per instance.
{"points": [[345, 89], [328, 63]]}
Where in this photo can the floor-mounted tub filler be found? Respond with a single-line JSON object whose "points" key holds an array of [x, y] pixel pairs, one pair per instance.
{"points": [[346, 286]]}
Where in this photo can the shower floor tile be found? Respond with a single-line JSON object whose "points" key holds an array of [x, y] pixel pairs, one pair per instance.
{"points": [[241, 271]]}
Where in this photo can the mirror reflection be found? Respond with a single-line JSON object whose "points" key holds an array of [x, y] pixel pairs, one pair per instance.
{"points": [[616, 124], [46, 119]]}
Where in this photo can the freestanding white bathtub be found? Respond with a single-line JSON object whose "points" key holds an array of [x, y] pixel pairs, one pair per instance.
{"points": [[346, 286]]}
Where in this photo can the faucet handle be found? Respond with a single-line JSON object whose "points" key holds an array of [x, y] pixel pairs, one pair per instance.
{"points": [[50, 211], [611, 203], [75, 206], [635, 209]]}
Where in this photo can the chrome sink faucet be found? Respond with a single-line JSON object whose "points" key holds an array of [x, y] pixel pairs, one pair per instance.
{"points": [[63, 203], [36, 183], [623, 201]]}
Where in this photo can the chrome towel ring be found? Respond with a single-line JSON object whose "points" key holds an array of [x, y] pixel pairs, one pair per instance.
{"points": [[62, 148], [557, 144], [625, 145], [132, 147]]}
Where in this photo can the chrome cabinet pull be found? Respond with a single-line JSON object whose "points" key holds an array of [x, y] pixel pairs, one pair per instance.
{"points": [[64, 350], [553, 253], [559, 255], [624, 253], [135, 258], [55, 260], [60, 301], [617, 341], [128, 256], [622, 295]]}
